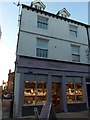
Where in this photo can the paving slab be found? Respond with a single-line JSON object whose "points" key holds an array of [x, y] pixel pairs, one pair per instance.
{"points": [[83, 114], [5, 113]]}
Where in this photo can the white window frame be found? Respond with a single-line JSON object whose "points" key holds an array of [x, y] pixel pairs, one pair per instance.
{"points": [[42, 22], [42, 50], [73, 30], [37, 7], [75, 53]]}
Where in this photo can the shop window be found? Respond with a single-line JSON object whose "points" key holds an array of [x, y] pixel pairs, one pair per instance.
{"points": [[35, 93], [74, 90]]}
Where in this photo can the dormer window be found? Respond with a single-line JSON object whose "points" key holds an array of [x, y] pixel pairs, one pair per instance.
{"points": [[38, 5], [63, 12]]}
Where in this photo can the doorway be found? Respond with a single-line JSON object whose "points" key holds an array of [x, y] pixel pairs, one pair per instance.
{"points": [[88, 93], [56, 96]]}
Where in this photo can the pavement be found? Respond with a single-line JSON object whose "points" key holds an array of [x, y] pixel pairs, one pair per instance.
{"points": [[82, 114], [0, 109], [5, 108]]}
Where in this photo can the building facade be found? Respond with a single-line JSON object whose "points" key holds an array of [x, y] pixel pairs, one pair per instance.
{"points": [[4, 87], [51, 61], [11, 82]]}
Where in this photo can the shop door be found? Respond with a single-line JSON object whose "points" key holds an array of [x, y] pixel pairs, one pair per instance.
{"points": [[88, 93], [56, 96]]}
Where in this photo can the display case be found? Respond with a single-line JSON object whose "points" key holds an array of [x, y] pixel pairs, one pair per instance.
{"points": [[35, 93]]}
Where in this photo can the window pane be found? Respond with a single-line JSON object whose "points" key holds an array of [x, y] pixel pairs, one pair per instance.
{"points": [[73, 33], [42, 43], [77, 79], [79, 92], [75, 53], [29, 92], [75, 49], [42, 48], [41, 52], [75, 58], [72, 27], [70, 92], [35, 92], [70, 98], [41, 93], [69, 79], [42, 22], [78, 88]]}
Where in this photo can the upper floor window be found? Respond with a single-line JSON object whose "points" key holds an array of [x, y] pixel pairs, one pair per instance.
{"points": [[42, 22], [75, 53], [37, 7], [42, 48], [73, 31]]}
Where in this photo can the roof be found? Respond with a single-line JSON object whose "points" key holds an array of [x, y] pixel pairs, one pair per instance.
{"points": [[54, 15]]}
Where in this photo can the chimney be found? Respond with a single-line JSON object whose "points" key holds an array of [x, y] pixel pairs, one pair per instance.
{"points": [[10, 71]]}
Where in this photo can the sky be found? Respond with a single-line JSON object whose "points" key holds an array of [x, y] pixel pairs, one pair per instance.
{"points": [[9, 25]]}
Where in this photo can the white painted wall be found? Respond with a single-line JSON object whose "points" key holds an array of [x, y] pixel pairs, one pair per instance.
{"points": [[58, 35]]}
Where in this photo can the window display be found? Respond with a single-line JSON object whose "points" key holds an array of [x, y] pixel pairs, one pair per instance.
{"points": [[74, 92], [35, 92], [74, 89]]}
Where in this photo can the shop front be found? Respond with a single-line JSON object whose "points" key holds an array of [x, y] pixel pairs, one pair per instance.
{"points": [[36, 92], [60, 83]]}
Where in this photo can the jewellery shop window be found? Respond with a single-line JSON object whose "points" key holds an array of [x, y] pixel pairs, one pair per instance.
{"points": [[74, 90], [35, 93]]}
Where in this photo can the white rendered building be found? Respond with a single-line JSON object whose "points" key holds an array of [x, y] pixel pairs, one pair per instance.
{"points": [[51, 61]]}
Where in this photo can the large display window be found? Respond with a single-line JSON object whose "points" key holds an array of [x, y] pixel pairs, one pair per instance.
{"points": [[74, 91], [35, 92]]}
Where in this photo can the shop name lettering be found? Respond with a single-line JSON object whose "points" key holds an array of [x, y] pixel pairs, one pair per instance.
{"points": [[46, 64], [57, 65]]}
